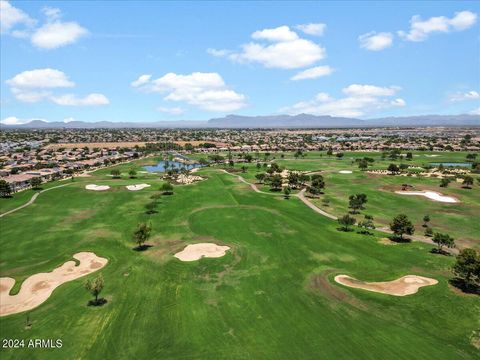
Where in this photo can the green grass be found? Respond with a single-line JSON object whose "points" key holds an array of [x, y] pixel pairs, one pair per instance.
{"points": [[271, 297]]}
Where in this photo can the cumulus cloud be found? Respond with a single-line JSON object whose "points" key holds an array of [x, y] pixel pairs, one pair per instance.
{"points": [[12, 120], [359, 100], [470, 95], [11, 17], [421, 29], [315, 29], [279, 48], [375, 41], [206, 91], [172, 110], [313, 73], [52, 34], [73, 100], [57, 34], [36, 85]]}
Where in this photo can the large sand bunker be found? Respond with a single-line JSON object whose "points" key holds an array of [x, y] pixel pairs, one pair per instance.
{"points": [[197, 251], [406, 285], [345, 172], [137, 187], [37, 288], [432, 195], [97, 187]]}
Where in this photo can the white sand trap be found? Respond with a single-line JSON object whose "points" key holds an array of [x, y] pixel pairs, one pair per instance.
{"points": [[432, 155], [97, 187], [406, 285], [37, 288], [197, 251], [432, 195], [345, 172], [137, 187]]}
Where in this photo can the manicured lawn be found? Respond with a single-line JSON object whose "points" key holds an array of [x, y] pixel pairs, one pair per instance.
{"points": [[271, 297]]}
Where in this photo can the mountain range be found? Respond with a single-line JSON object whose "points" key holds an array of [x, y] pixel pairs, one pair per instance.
{"points": [[273, 121]]}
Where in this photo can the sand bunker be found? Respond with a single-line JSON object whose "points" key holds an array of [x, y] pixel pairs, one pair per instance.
{"points": [[97, 187], [37, 288], [406, 285], [137, 187], [197, 251], [345, 172], [432, 195]]}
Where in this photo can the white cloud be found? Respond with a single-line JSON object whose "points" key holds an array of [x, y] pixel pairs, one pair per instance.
{"points": [[74, 100], [172, 111], [57, 34], [370, 90], [279, 34], [206, 91], [375, 41], [475, 111], [69, 119], [36, 85], [284, 50], [313, 73], [470, 95], [40, 78], [421, 29], [11, 17], [316, 29], [12, 120], [360, 99], [53, 34]]}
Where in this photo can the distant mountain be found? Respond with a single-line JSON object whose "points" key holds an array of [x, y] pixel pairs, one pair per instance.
{"points": [[273, 121]]}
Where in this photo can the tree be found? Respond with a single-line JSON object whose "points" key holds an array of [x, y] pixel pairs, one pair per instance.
{"points": [[426, 220], [401, 225], [366, 225], [95, 287], [166, 188], [393, 168], [363, 164], [132, 173], [356, 202], [244, 169], [5, 189], [409, 156], [141, 235], [325, 202], [286, 193], [260, 177], [428, 232], [346, 221], [276, 182], [444, 182], [443, 240], [35, 182], [115, 173], [467, 182], [151, 207], [467, 270]]}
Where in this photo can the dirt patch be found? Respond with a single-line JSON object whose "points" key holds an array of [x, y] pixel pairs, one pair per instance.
{"points": [[197, 251], [406, 285], [387, 241], [37, 288]]}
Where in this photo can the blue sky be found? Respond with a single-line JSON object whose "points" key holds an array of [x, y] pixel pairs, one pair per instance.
{"points": [[154, 61]]}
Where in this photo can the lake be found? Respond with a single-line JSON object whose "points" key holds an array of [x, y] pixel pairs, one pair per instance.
{"points": [[160, 167], [452, 164]]}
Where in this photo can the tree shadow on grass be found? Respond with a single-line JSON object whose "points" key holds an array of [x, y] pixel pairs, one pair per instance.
{"points": [[98, 302], [440, 252], [142, 247], [465, 287], [400, 240]]}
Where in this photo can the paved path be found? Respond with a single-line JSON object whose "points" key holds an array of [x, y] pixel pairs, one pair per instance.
{"points": [[306, 201], [31, 201]]}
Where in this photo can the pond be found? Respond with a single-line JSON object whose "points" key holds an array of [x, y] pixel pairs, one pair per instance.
{"points": [[452, 164], [160, 167]]}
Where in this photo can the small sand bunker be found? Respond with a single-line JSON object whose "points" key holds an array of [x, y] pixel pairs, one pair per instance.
{"points": [[37, 288], [432, 195], [137, 187], [97, 187], [345, 172], [406, 285], [197, 251]]}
